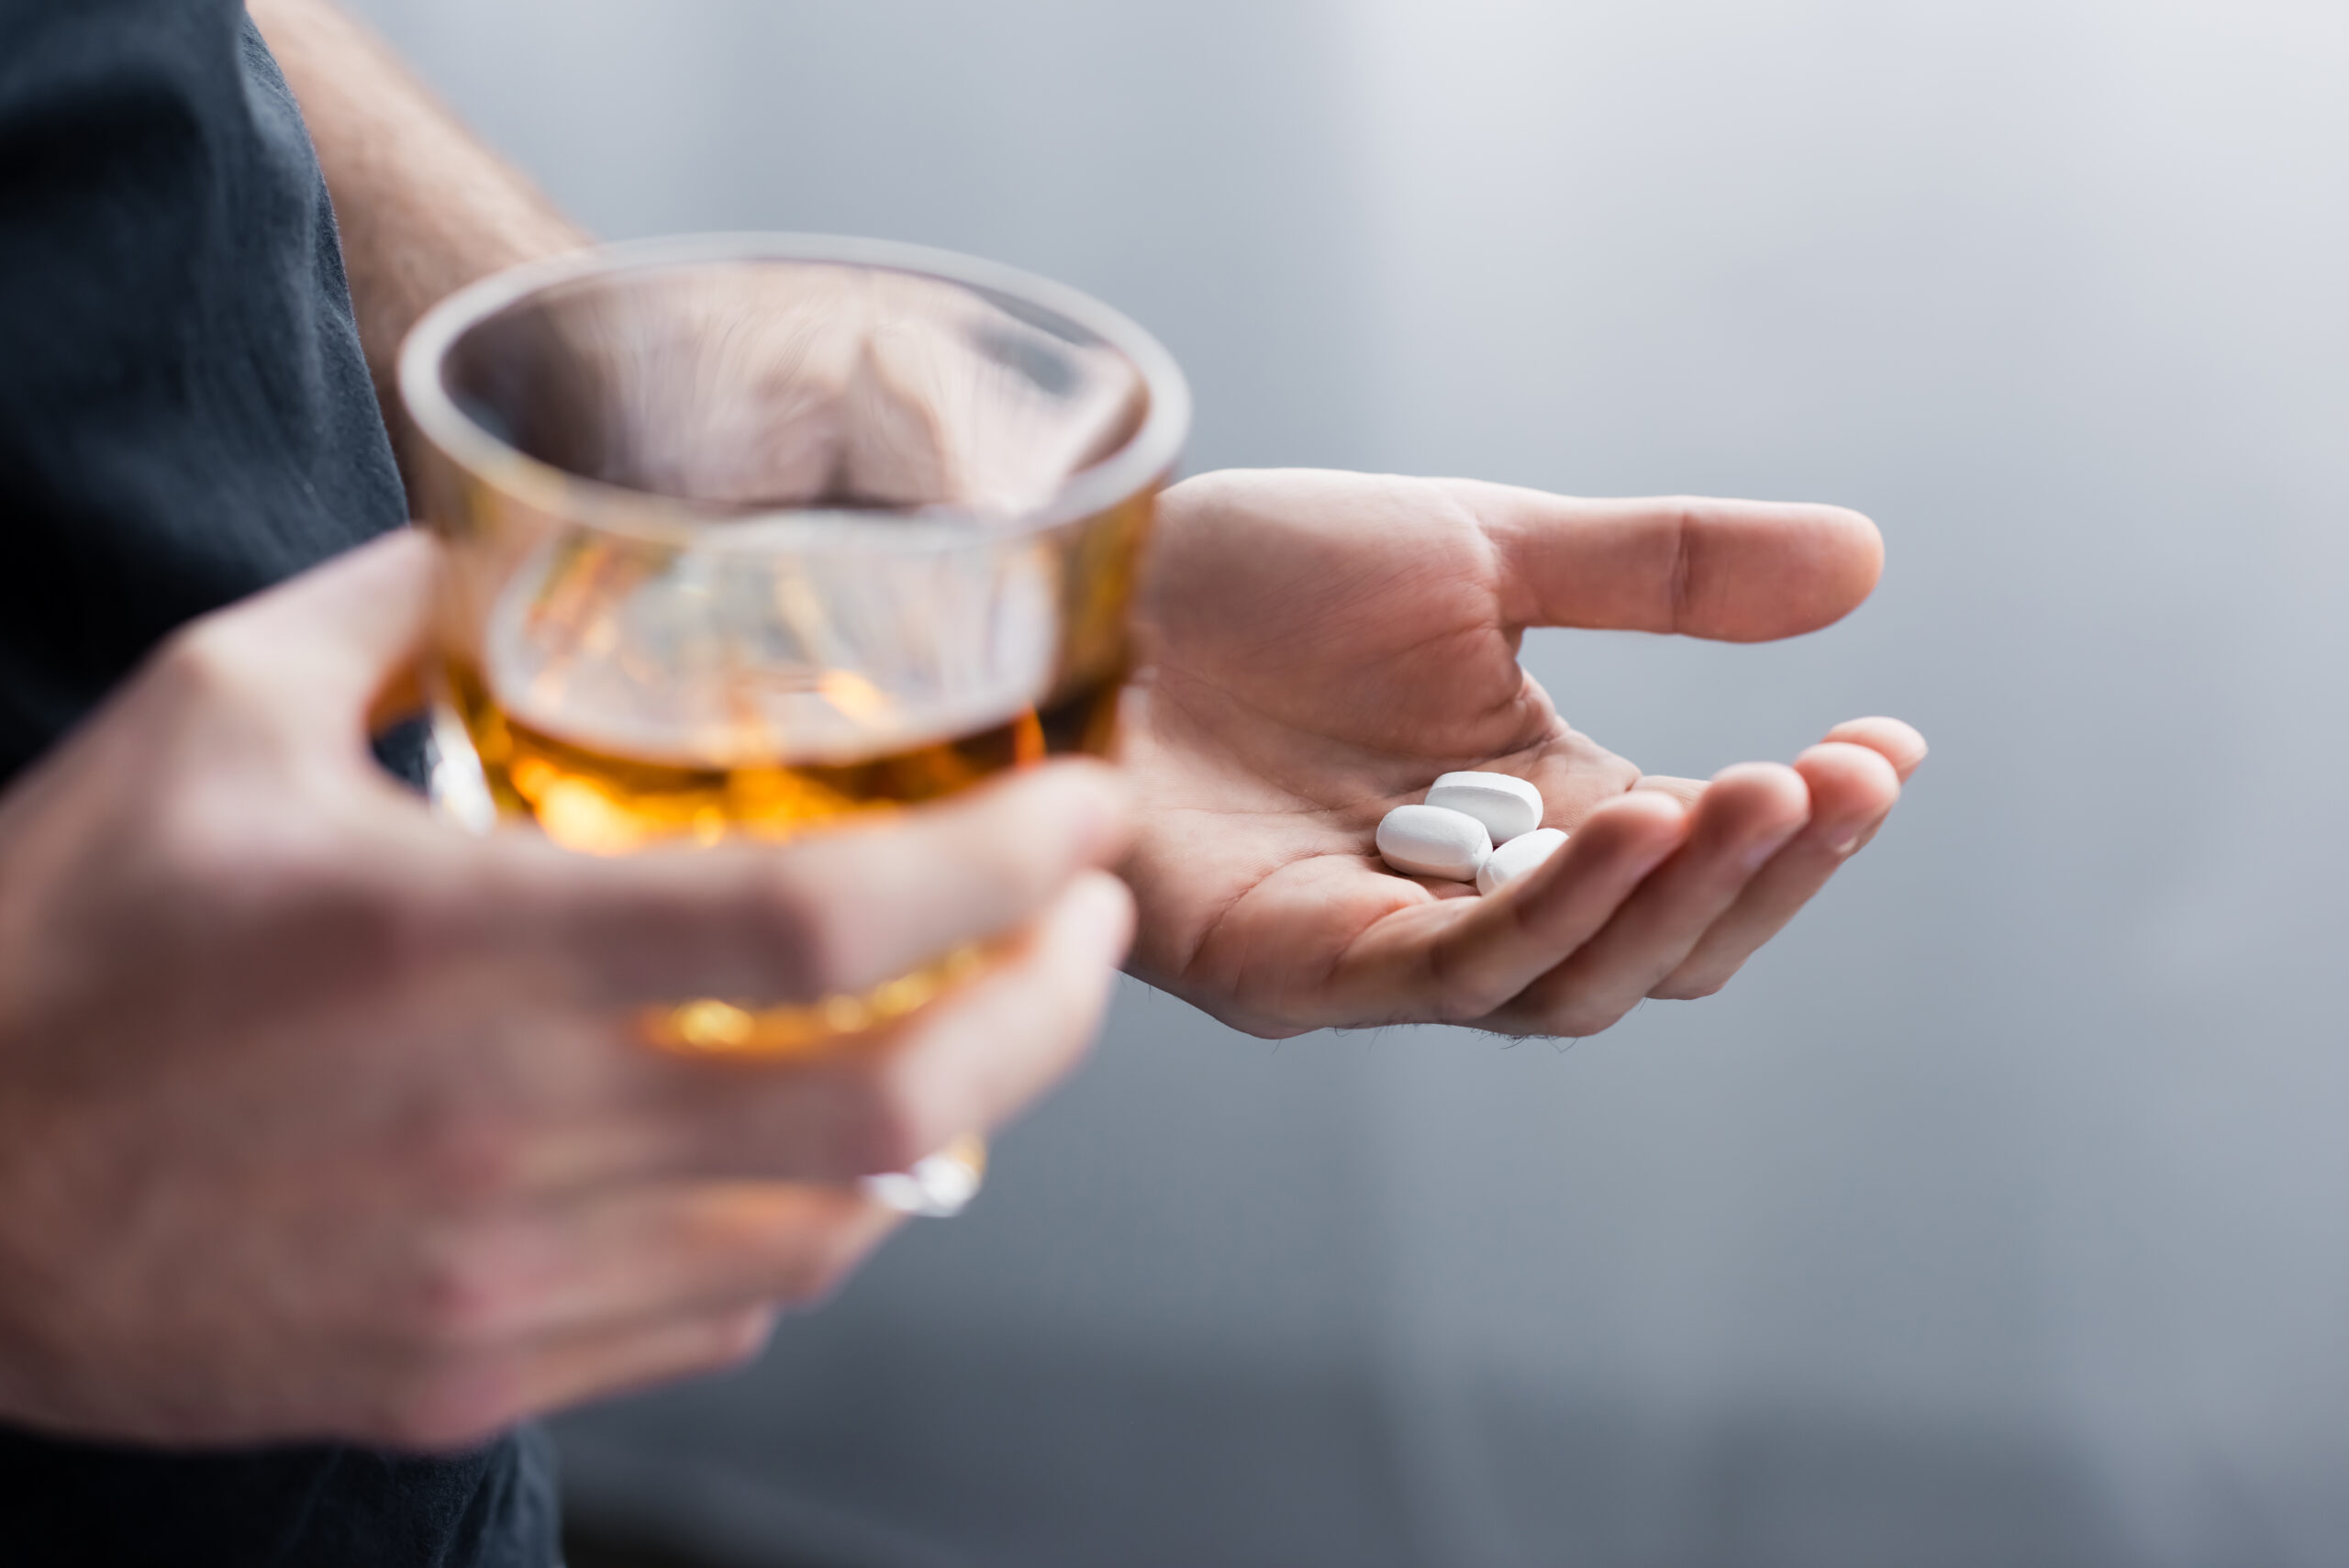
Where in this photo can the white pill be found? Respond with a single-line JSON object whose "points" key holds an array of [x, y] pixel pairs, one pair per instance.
{"points": [[1428, 840], [1506, 805], [1517, 858]]}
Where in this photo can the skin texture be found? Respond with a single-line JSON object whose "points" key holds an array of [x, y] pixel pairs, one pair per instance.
{"points": [[1327, 643], [319, 1119]]}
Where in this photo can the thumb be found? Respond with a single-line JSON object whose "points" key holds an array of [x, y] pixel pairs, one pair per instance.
{"points": [[335, 648], [1733, 570]]}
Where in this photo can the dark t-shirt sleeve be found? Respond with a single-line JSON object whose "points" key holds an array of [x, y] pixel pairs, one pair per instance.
{"points": [[69, 1505], [185, 418], [184, 412]]}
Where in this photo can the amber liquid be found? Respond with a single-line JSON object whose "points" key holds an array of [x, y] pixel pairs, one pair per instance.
{"points": [[600, 804]]}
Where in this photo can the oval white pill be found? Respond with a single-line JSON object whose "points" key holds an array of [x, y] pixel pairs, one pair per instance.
{"points": [[1506, 805], [1428, 840], [1518, 857]]}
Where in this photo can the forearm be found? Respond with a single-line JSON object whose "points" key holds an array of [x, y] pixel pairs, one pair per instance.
{"points": [[424, 208]]}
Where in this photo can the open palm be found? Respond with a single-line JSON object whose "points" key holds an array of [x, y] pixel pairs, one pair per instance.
{"points": [[1327, 643]]}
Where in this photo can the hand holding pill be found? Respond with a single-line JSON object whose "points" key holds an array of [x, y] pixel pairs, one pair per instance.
{"points": [[1337, 713]]}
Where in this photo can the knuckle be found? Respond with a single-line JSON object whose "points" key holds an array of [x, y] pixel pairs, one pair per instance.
{"points": [[365, 926], [470, 1158], [459, 1295], [463, 1148], [344, 918], [210, 660]]}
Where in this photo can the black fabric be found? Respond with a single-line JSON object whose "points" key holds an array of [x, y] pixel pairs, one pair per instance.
{"points": [[185, 418], [185, 414], [91, 1506]]}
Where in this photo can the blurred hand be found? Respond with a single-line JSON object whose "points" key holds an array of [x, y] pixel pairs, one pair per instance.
{"points": [[318, 1120], [1331, 642]]}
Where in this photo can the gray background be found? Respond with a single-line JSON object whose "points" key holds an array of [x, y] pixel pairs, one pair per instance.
{"points": [[1997, 1214]]}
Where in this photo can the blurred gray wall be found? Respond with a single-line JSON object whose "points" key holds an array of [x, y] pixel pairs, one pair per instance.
{"points": [[1999, 1214]]}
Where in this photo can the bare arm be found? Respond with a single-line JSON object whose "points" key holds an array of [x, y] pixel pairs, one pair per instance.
{"points": [[424, 208]]}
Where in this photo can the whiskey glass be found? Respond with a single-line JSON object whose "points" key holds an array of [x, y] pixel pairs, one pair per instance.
{"points": [[748, 536]]}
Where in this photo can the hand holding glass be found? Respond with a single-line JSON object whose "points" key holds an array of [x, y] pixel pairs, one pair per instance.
{"points": [[749, 535]]}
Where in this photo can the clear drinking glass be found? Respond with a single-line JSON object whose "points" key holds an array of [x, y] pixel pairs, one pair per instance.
{"points": [[749, 535]]}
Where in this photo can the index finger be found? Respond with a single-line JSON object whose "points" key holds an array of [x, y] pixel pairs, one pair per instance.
{"points": [[836, 913], [1731, 571]]}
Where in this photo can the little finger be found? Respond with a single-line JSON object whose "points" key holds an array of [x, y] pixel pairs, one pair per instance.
{"points": [[1747, 812], [670, 1250], [1852, 788], [1898, 743], [467, 1401]]}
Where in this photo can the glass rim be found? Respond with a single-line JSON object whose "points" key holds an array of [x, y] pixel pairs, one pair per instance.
{"points": [[1145, 457]]}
